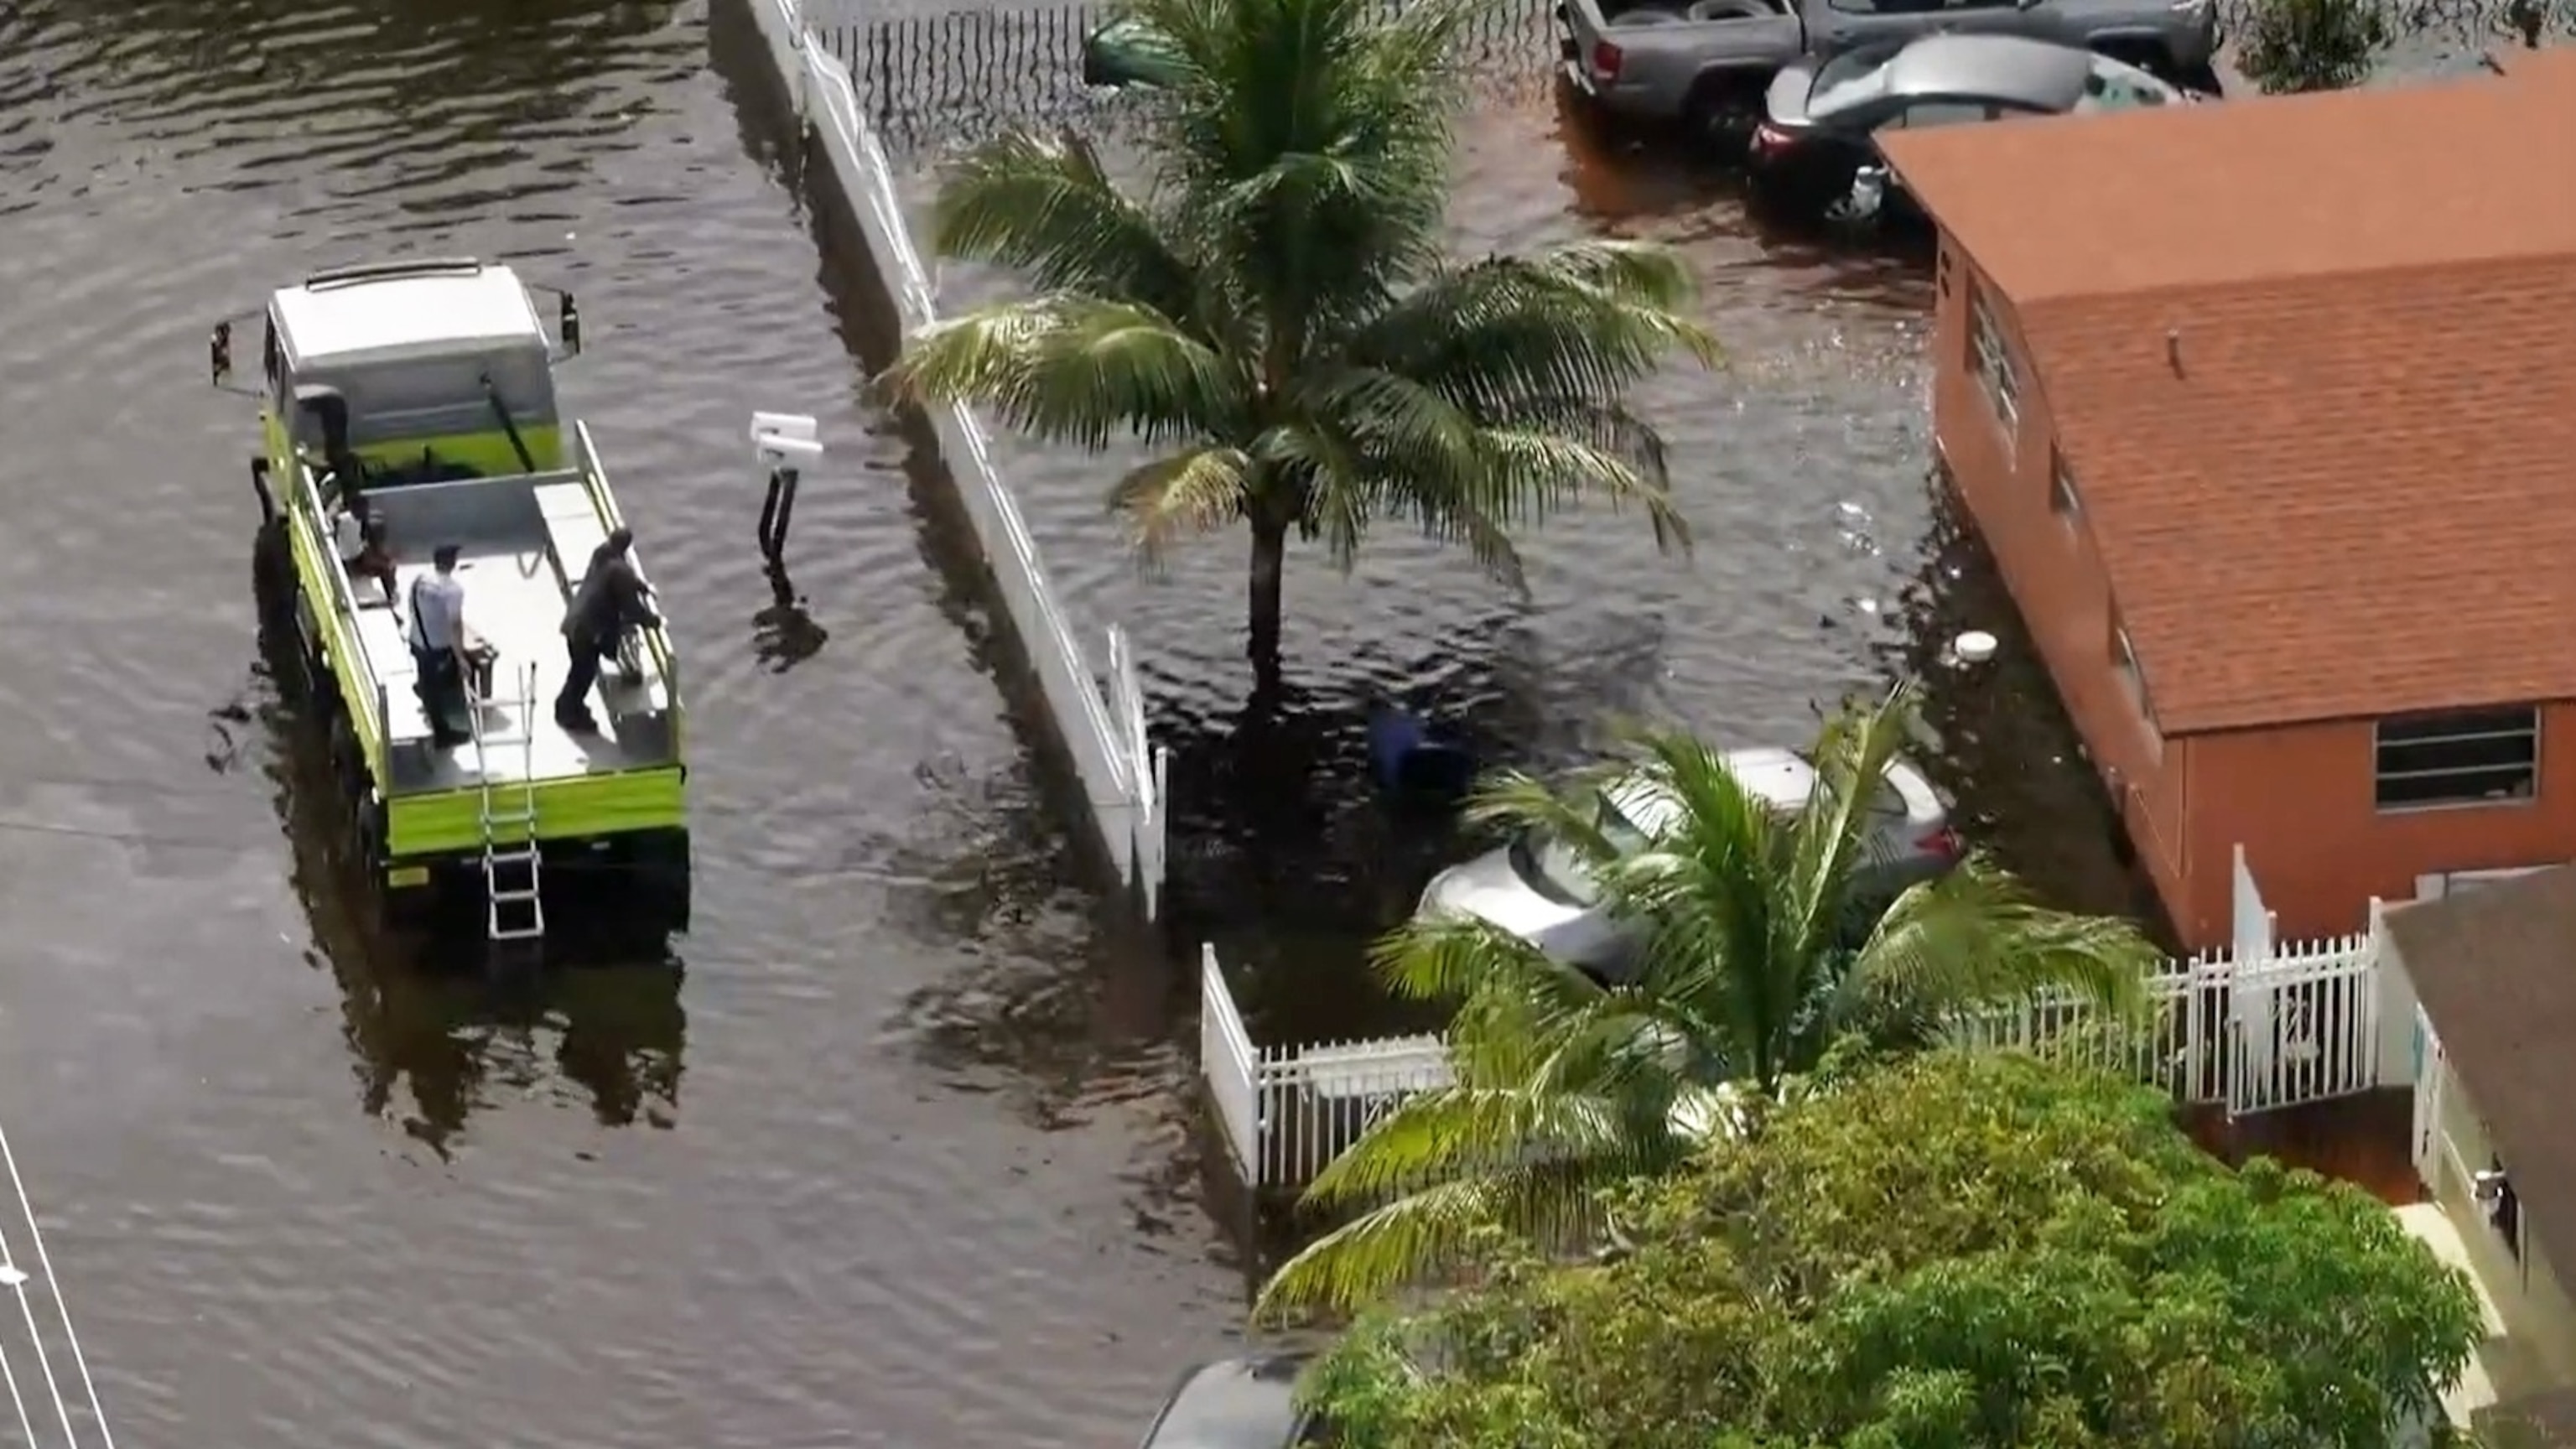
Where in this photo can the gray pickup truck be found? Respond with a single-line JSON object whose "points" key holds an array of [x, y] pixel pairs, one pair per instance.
{"points": [[1705, 64]]}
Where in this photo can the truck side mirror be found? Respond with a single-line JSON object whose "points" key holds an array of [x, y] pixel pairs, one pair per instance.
{"points": [[568, 323], [219, 353]]}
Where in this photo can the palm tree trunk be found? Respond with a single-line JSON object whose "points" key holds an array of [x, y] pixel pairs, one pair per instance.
{"points": [[1269, 565]]}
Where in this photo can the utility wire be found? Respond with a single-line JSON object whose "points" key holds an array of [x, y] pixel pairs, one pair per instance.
{"points": [[17, 1280]]}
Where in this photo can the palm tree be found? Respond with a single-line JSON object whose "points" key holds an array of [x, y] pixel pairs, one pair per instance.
{"points": [[1757, 956], [1275, 312]]}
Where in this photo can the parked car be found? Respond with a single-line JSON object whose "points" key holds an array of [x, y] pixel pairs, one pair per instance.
{"points": [[1236, 1403], [1817, 146], [1541, 891], [1127, 52], [1707, 64]]}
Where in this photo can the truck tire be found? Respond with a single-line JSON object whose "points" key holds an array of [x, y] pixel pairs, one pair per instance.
{"points": [[1722, 111]]}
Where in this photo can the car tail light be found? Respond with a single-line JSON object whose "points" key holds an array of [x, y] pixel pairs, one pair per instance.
{"points": [[1606, 60], [1768, 138], [1941, 844]]}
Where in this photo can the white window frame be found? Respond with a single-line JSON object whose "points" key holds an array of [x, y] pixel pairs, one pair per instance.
{"points": [[2124, 658], [2495, 727], [2063, 499], [1991, 359]]}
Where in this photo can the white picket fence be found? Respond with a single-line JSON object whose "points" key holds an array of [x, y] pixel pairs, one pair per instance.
{"points": [[2296, 1024], [1101, 718]]}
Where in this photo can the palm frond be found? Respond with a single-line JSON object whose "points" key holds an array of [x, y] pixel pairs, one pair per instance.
{"points": [[1466, 1131], [1196, 492], [1974, 937], [1076, 369], [1834, 833], [1308, 143], [1584, 322], [1046, 207], [1422, 1236]]}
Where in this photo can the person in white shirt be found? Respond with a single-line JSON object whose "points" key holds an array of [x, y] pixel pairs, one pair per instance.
{"points": [[437, 636]]}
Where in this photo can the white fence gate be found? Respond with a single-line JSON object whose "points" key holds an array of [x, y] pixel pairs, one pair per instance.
{"points": [[1101, 720], [1286, 1111], [2303, 1025]]}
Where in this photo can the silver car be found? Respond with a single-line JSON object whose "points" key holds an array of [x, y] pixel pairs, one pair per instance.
{"points": [[1539, 890], [1822, 123]]}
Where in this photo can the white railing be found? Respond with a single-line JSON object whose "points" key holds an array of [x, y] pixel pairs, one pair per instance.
{"points": [[51, 1393], [1122, 773], [2299, 1026]]}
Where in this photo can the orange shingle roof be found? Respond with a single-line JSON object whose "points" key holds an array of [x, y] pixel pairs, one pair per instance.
{"points": [[2313, 365]]}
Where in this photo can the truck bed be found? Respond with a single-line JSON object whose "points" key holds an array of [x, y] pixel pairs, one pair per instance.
{"points": [[515, 601]]}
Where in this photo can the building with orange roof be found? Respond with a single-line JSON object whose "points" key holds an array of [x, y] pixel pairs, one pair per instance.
{"points": [[2267, 413]]}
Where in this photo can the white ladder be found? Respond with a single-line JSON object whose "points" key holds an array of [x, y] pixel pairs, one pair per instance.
{"points": [[514, 910]]}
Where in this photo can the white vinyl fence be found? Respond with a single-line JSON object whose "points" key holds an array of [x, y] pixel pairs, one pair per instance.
{"points": [[1101, 718], [2261, 1026]]}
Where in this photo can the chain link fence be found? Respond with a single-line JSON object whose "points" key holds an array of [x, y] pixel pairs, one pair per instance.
{"points": [[939, 80]]}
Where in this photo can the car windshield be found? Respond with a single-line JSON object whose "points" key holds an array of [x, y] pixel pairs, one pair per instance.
{"points": [[1557, 870], [2112, 86]]}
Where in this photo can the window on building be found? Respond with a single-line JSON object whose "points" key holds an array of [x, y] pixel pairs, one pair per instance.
{"points": [[2469, 757], [2062, 499], [1991, 360], [2124, 659]]}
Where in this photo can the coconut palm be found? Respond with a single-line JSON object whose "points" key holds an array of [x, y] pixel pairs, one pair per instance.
{"points": [[1758, 955], [1274, 312]]}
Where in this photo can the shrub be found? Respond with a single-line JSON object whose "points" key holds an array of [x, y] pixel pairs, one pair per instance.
{"points": [[2312, 45]]}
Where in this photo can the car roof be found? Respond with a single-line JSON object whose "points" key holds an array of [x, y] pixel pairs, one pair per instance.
{"points": [[1780, 778], [2013, 68], [1232, 1403]]}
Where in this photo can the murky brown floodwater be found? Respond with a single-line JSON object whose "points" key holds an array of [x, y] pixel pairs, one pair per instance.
{"points": [[1803, 467], [891, 1163], [893, 1152]]}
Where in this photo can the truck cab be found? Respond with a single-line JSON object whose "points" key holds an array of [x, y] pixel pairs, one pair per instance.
{"points": [[429, 372]]}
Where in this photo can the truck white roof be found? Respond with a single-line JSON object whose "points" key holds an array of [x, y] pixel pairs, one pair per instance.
{"points": [[456, 309]]}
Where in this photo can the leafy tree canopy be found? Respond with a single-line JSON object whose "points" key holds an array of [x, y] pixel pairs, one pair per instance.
{"points": [[1962, 1251]]}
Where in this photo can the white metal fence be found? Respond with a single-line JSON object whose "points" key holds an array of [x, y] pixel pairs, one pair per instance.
{"points": [[2251, 1034], [1102, 720]]}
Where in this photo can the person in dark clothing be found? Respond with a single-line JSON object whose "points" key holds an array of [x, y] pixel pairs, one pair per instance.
{"points": [[612, 599]]}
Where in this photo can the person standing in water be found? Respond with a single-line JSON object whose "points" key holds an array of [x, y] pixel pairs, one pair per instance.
{"points": [[612, 599]]}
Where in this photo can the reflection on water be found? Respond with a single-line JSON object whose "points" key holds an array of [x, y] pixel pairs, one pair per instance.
{"points": [[2008, 751], [438, 1021]]}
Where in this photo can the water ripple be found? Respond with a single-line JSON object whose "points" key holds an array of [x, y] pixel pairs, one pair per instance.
{"points": [[888, 1155]]}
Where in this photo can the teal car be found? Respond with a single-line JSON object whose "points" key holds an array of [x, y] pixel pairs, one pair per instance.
{"points": [[1128, 52]]}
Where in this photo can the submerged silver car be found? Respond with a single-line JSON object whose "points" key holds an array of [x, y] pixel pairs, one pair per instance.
{"points": [[1822, 122], [1539, 890]]}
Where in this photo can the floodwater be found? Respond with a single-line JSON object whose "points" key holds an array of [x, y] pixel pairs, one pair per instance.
{"points": [[1823, 564], [893, 1148], [890, 1155]]}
